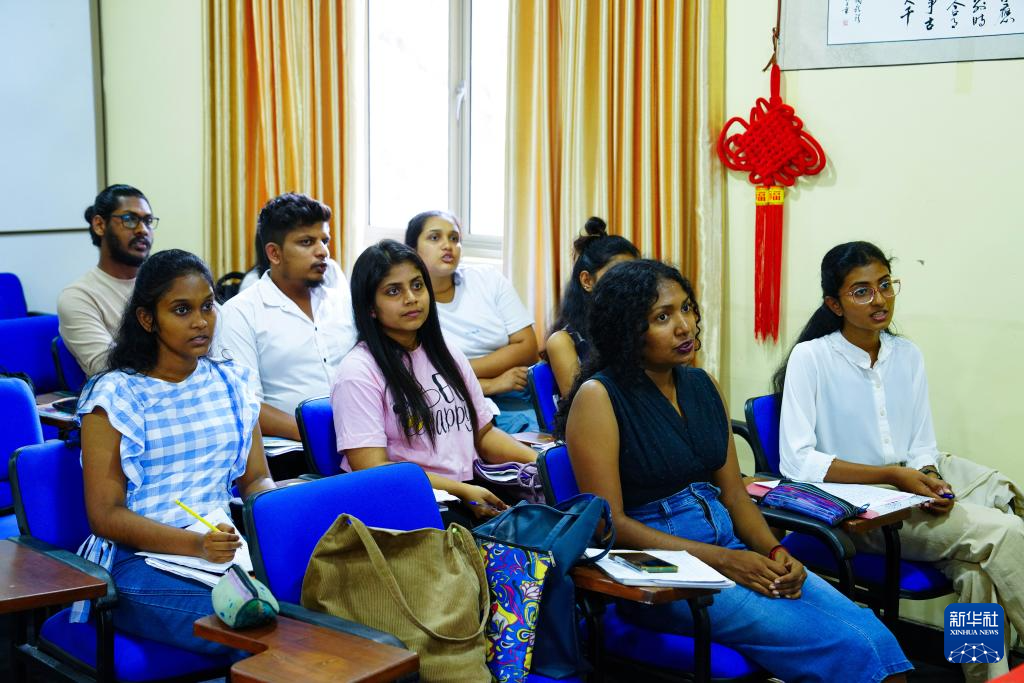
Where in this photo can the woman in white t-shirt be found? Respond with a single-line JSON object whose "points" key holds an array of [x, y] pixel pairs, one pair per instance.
{"points": [[482, 315], [402, 394]]}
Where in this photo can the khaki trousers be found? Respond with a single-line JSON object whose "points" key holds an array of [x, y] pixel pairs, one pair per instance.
{"points": [[979, 545]]}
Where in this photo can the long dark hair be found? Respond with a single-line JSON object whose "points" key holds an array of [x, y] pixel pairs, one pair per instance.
{"points": [[593, 250], [617, 323], [135, 349], [106, 204], [835, 266], [370, 269]]}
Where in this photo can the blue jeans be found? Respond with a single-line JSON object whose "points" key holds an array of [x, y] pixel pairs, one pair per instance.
{"points": [[517, 413], [820, 637], [154, 604]]}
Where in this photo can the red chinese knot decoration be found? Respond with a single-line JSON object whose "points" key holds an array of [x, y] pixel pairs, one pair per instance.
{"points": [[774, 150]]}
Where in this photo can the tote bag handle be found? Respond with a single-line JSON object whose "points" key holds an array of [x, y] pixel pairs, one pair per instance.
{"points": [[384, 571]]}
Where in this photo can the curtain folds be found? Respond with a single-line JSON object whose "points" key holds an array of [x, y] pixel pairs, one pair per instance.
{"points": [[278, 103], [611, 112]]}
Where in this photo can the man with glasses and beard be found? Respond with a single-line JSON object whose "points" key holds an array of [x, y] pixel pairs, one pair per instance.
{"points": [[288, 328], [121, 224]]}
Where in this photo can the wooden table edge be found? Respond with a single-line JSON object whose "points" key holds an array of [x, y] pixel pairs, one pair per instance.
{"points": [[592, 579], [212, 628]]}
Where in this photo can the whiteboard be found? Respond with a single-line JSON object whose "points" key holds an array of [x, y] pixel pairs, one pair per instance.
{"points": [[819, 34], [51, 160]]}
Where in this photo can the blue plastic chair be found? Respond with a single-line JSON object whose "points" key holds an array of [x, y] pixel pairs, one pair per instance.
{"points": [[540, 381], [869, 571], [395, 497], [25, 347], [316, 428], [12, 297], [50, 503], [69, 373], [19, 426], [621, 639]]}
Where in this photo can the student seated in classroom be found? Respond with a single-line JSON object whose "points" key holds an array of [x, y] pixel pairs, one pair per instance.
{"points": [[166, 422], [289, 329], [652, 436], [404, 394], [596, 251], [334, 277], [855, 409], [482, 315], [121, 224]]}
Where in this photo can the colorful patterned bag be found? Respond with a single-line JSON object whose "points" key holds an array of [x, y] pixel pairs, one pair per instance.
{"points": [[515, 577]]}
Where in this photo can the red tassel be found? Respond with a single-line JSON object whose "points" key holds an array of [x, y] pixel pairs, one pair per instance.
{"points": [[767, 262]]}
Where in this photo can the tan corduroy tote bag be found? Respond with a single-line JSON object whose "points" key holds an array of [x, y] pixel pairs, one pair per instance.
{"points": [[426, 586]]}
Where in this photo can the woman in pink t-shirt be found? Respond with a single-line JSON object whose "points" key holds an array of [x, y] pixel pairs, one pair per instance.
{"points": [[403, 394]]}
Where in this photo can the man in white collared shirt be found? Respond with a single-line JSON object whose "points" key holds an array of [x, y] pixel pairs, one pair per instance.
{"points": [[288, 328]]}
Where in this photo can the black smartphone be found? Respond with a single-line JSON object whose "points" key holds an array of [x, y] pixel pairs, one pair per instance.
{"points": [[643, 562], [66, 405]]}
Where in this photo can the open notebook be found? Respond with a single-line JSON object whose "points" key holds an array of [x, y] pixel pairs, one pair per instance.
{"points": [[196, 567], [691, 572]]}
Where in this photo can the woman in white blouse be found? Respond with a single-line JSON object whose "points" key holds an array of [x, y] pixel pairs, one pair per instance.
{"points": [[481, 315], [855, 410]]}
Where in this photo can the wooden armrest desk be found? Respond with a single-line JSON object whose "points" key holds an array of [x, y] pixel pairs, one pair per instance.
{"points": [[592, 579], [62, 421], [29, 580], [288, 650]]}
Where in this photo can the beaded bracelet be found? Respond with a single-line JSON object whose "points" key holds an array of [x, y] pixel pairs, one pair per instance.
{"points": [[771, 553]]}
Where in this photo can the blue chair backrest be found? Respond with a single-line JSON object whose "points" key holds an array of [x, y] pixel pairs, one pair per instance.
{"points": [[49, 498], [12, 297], [25, 347], [763, 422], [69, 372], [316, 427], [19, 421], [286, 524], [541, 382], [556, 475]]}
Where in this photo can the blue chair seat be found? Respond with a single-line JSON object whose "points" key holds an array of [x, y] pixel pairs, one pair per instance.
{"points": [[669, 650], [916, 578], [6, 497], [537, 678], [137, 659], [8, 526]]}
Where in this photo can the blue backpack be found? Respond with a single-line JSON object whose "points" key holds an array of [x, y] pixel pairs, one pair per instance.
{"points": [[563, 532]]}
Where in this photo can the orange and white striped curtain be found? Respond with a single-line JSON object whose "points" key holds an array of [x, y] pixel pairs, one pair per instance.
{"points": [[278, 103], [611, 112]]}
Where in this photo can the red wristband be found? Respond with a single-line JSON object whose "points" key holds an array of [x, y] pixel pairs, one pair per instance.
{"points": [[771, 553]]}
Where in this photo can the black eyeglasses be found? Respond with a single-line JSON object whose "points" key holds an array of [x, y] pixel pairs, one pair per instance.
{"points": [[131, 220]]}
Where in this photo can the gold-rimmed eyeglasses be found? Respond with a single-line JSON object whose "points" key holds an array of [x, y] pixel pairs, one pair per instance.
{"points": [[865, 294]]}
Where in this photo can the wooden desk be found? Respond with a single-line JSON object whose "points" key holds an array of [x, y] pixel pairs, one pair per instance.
{"points": [[592, 579], [288, 650], [860, 525], [54, 418], [29, 580]]}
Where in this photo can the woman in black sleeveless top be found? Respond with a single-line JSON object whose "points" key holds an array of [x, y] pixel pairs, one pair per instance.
{"points": [[652, 436]]}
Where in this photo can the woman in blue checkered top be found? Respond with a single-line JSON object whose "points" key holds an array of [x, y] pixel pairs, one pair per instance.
{"points": [[166, 423]]}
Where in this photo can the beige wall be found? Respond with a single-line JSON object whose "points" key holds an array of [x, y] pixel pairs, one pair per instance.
{"points": [[925, 161], [153, 97]]}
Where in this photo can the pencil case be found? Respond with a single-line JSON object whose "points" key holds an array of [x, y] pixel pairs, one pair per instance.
{"points": [[241, 601], [808, 499]]}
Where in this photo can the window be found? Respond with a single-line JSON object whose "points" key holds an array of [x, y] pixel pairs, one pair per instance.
{"points": [[436, 75]]}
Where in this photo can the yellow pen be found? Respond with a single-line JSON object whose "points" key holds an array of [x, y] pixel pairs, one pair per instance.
{"points": [[195, 514]]}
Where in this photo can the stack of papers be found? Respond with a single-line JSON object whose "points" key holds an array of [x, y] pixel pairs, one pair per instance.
{"points": [[690, 573], [196, 568], [879, 501], [278, 445]]}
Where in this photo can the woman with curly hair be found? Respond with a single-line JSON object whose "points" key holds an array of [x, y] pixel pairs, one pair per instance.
{"points": [[651, 435], [596, 251]]}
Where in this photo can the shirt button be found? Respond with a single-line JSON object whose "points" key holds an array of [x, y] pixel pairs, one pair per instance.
{"points": [[325, 360], [886, 439], [882, 412]]}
